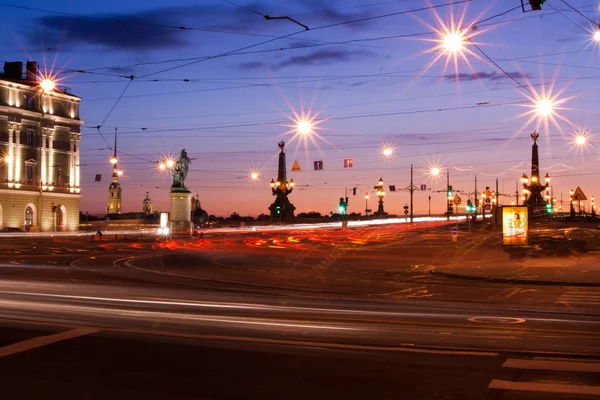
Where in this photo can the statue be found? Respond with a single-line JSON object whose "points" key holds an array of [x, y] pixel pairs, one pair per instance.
{"points": [[180, 170], [281, 145]]}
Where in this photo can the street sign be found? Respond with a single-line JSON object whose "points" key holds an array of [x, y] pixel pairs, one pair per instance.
{"points": [[405, 212], [423, 187], [348, 163], [454, 231], [457, 200], [318, 165], [98, 178], [296, 167], [578, 195]]}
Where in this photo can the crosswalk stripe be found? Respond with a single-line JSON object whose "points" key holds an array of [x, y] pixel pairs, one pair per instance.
{"points": [[544, 387], [552, 365]]}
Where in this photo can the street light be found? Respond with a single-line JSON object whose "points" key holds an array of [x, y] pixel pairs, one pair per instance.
{"points": [[304, 127], [388, 151], [366, 203], [597, 35], [580, 139], [47, 85], [380, 195]]}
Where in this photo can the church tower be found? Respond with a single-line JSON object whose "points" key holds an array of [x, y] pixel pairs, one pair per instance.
{"points": [[147, 204], [114, 190]]}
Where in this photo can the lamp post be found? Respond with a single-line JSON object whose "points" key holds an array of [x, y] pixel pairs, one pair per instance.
{"points": [[366, 204], [435, 171], [380, 194]]}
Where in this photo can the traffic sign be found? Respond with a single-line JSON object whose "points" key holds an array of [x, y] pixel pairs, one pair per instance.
{"points": [[457, 200], [578, 195], [405, 212], [454, 231]]}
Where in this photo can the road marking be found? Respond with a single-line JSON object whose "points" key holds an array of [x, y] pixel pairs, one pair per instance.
{"points": [[544, 387], [551, 365], [292, 342], [577, 297], [40, 341]]}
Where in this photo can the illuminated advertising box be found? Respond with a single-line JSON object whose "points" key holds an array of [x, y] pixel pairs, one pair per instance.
{"points": [[515, 225]]}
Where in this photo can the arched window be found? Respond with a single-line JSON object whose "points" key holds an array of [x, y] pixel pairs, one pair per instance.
{"points": [[29, 217], [61, 218]]}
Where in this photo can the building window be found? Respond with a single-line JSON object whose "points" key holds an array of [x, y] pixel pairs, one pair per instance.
{"points": [[28, 217], [112, 205], [30, 137], [29, 102], [29, 175]]}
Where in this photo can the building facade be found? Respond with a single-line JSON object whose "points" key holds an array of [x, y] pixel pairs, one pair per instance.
{"points": [[39, 152]]}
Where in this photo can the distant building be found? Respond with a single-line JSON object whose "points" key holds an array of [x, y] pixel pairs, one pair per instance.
{"points": [[147, 204], [39, 152], [114, 194]]}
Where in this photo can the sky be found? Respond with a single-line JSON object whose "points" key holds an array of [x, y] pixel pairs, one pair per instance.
{"points": [[218, 79]]}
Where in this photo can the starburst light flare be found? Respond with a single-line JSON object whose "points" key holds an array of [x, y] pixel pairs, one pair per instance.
{"points": [[544, 106], [453, 42], [304, 127]]}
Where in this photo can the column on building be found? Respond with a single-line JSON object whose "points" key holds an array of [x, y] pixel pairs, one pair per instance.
{"points": [[16, 156], [72, 162], [50, 147], [11, 152], [77, 164], [44, 159]]}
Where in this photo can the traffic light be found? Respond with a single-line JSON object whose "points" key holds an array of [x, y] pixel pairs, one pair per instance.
{"points": [[536, 5], [354, 191], [342, 206], [449, 191], [549, 207], [278, 209], [470, 207]]}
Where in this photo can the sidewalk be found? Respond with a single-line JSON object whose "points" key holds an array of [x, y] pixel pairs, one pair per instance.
{"points": [[581, 270]]}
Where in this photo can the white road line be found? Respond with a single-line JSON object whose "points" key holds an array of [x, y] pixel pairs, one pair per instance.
{"points": [[551, 365], [544, 387], [45, 340]]}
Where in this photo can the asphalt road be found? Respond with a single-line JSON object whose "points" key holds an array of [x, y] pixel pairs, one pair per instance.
{"points": [[237, 317]]}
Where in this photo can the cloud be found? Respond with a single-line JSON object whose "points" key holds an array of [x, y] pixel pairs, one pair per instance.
{"points": [[490, 76], [138, 31], [320, 57], [153, 28]]}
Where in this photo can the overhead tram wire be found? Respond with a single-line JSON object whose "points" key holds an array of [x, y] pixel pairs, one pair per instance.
{"points": [[111, 110], [298, 32], [324, 43], [568, 19], [580, 13]]}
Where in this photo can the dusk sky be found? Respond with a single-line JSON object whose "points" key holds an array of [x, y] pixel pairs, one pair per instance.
{"points": [[225, 85]]}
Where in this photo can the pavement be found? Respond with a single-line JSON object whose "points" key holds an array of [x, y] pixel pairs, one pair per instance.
{"points": [[572, 270]]}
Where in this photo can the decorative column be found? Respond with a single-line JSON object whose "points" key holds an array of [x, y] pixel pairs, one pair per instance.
{"points": [[71, 162], [11, 153], [50, 147], [17, 154], [77, 152], [46, 175]]}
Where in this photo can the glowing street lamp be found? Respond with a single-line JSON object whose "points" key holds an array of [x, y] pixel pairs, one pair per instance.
{"points": [[254, 176], [113, 160], [544, 107], [304, 127], [388, 151], [580, 139], [453, 42], [597, 35], [47, 85]]}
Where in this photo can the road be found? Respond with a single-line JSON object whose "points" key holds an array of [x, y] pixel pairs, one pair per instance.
{"points": [[209, 319]]}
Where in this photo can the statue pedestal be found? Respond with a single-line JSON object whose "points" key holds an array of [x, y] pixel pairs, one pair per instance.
{"points": [[181, 212]]}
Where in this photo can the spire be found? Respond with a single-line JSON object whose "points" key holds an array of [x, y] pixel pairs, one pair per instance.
{"points": [[281, 172]]}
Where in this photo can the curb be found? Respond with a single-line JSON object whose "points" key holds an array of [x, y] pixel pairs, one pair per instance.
{"points": [[508, 280]]}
